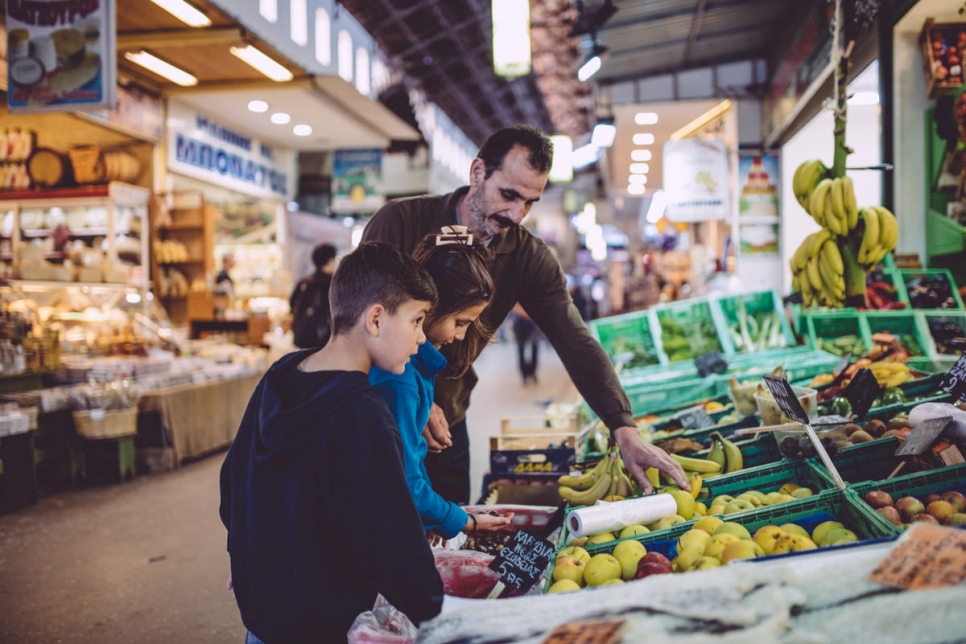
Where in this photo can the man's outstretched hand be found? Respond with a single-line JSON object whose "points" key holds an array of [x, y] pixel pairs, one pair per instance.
{"points": [[436, 431], [638, 455]]}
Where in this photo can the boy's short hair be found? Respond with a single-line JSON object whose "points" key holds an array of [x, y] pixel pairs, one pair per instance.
{"points": [[376, 273]]}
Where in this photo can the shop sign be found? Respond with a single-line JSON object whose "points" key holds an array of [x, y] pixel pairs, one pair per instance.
{"points": [[61, 55], [205, 149], [696, 180], [138, 111], [357, 181]]}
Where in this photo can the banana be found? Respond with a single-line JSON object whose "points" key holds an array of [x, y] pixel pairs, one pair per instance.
{"points": [[815, 245], [888, 227], [807, 177], [817, 202], [870, 238], [796, 283], [851, 207], [814, 278], [696, 483], [623, 486], [832, 255], [586, 480], [716, 453], [653, 476], [701, 465], [837, 210], [734, 459], [587, 497], [799, 257]]}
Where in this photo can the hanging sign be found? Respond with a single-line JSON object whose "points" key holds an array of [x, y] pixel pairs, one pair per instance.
{"points": [[204, 148], [709, 363], [696, 180], [61, 55], [357, 181]]}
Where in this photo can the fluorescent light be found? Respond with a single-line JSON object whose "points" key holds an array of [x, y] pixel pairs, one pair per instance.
{"points": [[262, 63], [302, 130], [257, 106], [161, 68], [636, 189], [637, 179], [184, 12], [658, 205], [604, 133], [639, 168], [280, 118], [562, 167], [511, 37], [645, 118], [643, 138], [864, 98], [584, 156], [588, 69], [702, 120], [640, 155]]}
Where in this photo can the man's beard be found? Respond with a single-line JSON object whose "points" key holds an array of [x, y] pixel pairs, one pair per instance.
{"points": [[486, 226]]}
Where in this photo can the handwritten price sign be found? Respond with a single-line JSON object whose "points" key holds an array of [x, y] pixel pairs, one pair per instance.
{"points": [[928, 556], [955, 381], [521, 562]]}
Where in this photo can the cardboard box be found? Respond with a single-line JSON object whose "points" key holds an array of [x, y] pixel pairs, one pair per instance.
{"points": [[556, 461]]}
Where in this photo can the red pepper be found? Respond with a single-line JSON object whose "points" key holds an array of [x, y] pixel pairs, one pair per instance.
{"points": [[875, 300], [894, 305]]}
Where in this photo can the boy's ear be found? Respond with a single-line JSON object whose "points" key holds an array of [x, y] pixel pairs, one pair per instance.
{"points": [[374, 316]]}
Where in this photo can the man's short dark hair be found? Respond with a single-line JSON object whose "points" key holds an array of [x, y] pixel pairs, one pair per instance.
{"points": [[376, 273], [322, 255], [495, 149]]}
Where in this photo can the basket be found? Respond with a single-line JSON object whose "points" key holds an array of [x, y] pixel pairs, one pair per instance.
{"points": [[111, 423]]}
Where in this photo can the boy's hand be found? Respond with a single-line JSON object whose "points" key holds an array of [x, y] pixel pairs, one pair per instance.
{"points": [[488, 522], [638, 455], [436, 431]]}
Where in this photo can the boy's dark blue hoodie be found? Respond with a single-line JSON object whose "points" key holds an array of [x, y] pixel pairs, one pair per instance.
{"points": [[319, 515]]}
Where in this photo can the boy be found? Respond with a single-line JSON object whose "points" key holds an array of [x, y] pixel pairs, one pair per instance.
{"points": [[313, 490]]}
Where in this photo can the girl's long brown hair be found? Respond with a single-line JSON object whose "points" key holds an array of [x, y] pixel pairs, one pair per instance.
{"points": [[461, 272]]}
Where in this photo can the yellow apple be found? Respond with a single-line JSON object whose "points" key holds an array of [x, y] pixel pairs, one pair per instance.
{"points": [[751, 498], [700, 509], [684, 501], [707, 524], [576, 552], [569, 568], [802, 493], [687, 558], [736, 529], [822, 530], [613, 582], [694, 537], [743, 549], [774, 497], [767, 536], [761, 496], [600, 568], [739, 505], [706, 563], [602, 537], [840, 536], [794, 528], [563, 586], [722, 500], [788, 488], [716, 509], [718, 543], [667, 522], [628, 553], [633, 530]]}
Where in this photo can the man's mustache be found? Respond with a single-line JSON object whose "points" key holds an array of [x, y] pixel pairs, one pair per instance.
{"points": [[505, 222]]}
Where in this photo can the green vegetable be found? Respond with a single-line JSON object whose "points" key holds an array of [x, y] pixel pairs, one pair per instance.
{"points": [[893, 396], [841, 406]]}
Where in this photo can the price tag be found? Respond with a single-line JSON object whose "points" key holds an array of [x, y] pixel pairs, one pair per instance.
{"points": [[955, 381], [521, 562], [709, 363], [927, 556], [862, 392], [694, 418], [97, 414], [786, 399], [842, 365], [923, 436]]}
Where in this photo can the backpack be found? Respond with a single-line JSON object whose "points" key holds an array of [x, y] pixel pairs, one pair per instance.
{"points": [[311, 324]]}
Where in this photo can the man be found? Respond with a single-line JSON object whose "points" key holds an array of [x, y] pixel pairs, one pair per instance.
{"points": [[506, 178], [310, 301], [224, 285]]}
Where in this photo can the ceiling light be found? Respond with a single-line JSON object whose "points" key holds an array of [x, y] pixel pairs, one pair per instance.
{"points": [[864, 98], [593, 64], [702, 120], [184, 12], [640, 155], [257, 106], [161, 68], [280, 118], [639, 168], [636, 189], [511, 37], [637, 179], [645, 118], [643, 138], [262, 63], [584, 156], [604, 133], [302, 130], [562, 166]]}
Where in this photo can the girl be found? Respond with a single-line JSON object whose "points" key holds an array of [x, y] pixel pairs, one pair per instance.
{"points": [[459, 264]]}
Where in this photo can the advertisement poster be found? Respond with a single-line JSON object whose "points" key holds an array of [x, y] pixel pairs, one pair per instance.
{"points": [[757, 179], [357, 181], [60, 55], [696, 180], [759, 240]]}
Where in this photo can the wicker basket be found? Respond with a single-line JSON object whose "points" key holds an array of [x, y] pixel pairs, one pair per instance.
{"points": [[112, 423]]}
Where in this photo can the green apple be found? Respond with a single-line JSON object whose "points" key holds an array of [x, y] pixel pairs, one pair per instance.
{"points": [[823, 529], [576, 552], [602, 537], [695, 537], [633, 530], [667, 522], [600, 568], [736, 529], [563, 586], [743, 549], [629, 553], [568, 568]]}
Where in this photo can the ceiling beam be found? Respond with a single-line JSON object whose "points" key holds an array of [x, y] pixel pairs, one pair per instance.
{"points": [[675, 69], [667, 44], [612, 25], [180, 37], [695, 29]]}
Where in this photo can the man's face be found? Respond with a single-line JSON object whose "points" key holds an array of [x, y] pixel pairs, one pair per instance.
{"points": [[503, 200]]}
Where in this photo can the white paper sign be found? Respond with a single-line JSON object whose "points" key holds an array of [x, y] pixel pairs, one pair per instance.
{"points": [[696, 180]]}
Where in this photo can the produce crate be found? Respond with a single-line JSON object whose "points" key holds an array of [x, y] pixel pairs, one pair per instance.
{"points": [[942, 362], [903, 323], [824, 329], [865, 462], [890, 276], [757, 451], [755, 305], [765, 478], [917, 485], [629, 340], [698, 330], [908, 275]]}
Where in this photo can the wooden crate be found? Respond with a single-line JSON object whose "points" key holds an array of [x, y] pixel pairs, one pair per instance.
{"points": [[946, 73], [532, 441], [539, 424]]}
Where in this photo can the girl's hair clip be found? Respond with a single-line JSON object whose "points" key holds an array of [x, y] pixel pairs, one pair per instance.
{"points": [[454, 235]]}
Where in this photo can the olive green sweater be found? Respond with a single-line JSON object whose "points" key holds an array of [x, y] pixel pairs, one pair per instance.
{"points": [[523, 270]]}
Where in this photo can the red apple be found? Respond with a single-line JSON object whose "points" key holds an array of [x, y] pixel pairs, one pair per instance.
{"points": [[955, 499], [656, 557], [890, 514], [909, 507], [955, 519], [648, 569], [940, 510], [878, 499], [930, 498], [925, 518]]}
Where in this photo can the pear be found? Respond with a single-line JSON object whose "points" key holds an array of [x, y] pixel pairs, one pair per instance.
{"points": [[632, 531], [823, 529], [718, 543], [600, 568], [736, 529], [563, 586], [629, 553]]}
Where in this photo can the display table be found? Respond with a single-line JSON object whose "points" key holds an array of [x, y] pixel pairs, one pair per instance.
{"points": [[198, 419]]}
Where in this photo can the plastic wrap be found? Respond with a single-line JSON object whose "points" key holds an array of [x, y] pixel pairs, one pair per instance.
{"points": [[605, 517], [384, 624]]}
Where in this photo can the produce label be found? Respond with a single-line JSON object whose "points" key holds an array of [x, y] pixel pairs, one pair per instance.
{"points": [[694, 418], [927, 556], [862, 392], [709, 363], [955, 381], [786, 399], [521, 562]]}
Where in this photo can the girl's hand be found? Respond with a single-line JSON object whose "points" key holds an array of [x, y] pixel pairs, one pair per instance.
{"points": [[488, 522]]}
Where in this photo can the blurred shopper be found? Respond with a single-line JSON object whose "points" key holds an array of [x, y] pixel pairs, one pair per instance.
{"points": [[528, 337], [311, 318], [224, 285]]}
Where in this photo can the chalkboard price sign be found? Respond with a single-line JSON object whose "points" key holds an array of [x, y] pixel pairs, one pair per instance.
{"points": [[709, 363], [862, 392], [521, 562], [694, 418], [786, 399], [955, 381]]}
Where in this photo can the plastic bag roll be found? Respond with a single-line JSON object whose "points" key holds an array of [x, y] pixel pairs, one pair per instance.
{"points": [[617, 515]]}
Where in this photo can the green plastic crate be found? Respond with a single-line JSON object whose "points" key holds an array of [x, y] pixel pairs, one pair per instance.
{"points": [[757, 451], [628, 334], [942, 362], [917, 485], [764, 478], [909, 274], [900, 323], [889, 261], [824, 328], [865, 462], [891, 276], [755, 305], [698, 326]]}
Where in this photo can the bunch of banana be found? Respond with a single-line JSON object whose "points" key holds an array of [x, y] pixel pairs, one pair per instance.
{"points": [[818, 271], [889, 374], [726, 454], [832, 204], [608, 480], [879, 235], [697, 465], [807, 177]]}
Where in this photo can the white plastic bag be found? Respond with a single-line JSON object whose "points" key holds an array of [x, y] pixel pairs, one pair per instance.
{"points": [[955, 430], [384, 624]]}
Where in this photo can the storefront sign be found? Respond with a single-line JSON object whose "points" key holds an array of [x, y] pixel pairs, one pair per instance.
{"points": [[61, 55], [357, 181], [696, 180], [205, 149]]}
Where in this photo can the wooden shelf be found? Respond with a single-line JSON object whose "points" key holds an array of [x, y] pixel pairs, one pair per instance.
{"points": [[39, 284], [181, 227], [187, 261]]}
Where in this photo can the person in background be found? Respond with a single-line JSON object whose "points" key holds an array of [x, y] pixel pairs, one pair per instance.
{"points": [[313, 490], [223, 282], [527, 336], [506, 178], [459, 266], [581, 302], [311, 319]]}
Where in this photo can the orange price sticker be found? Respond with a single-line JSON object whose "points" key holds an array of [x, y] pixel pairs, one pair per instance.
{"points": [[927, 556]]}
